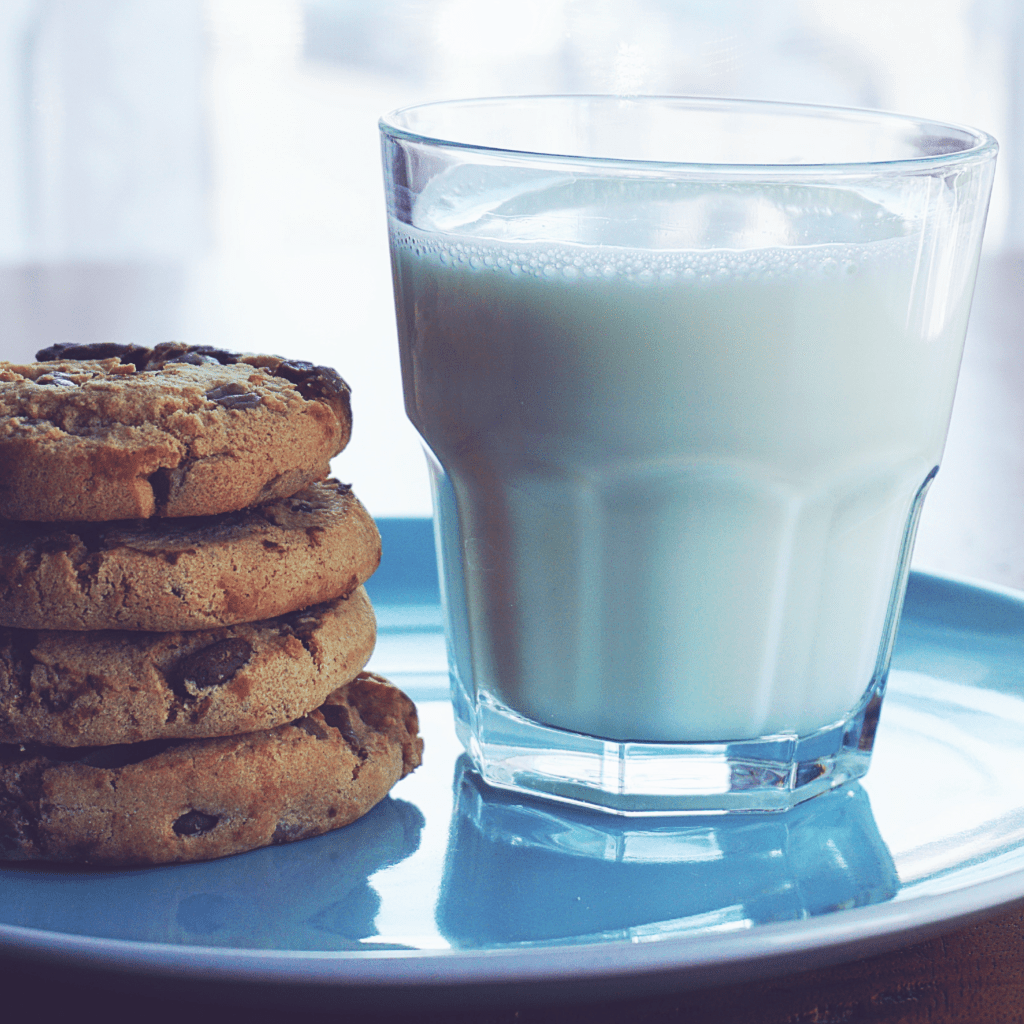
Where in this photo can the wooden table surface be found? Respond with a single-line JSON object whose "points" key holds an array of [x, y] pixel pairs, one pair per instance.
{"points": [[971, 527]]}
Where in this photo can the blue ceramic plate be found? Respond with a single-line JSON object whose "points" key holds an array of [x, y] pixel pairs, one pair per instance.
{"points": [[449, 892]]}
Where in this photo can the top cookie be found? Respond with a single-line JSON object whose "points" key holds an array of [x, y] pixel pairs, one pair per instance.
{"points": [[103, 432]]}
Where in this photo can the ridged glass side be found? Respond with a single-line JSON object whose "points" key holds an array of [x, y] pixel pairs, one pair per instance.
{"points": [[768, 773]]}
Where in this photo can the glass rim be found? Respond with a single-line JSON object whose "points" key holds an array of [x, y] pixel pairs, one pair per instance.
{"points": [[984, 146]]}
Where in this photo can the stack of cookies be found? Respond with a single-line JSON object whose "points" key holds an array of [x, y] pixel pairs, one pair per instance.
{"points": [[183, 625]]}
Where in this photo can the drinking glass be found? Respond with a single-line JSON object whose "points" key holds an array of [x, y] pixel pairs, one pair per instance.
{"points": [[683, 369]]}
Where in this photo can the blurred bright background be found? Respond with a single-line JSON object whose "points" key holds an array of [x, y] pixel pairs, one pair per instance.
{"points": [[209, 170]]}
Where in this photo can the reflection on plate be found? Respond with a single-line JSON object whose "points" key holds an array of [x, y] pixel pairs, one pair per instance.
{"points": [[526, 872], [448, 884]]}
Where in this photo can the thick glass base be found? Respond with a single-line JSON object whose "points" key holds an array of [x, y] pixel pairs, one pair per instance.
{"points": [[771, 773]]}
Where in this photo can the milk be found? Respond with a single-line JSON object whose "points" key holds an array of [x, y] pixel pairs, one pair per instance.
{"points": [[673, 479]]}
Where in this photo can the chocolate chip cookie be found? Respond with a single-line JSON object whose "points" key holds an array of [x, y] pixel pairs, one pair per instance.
{"points": [[166, 801], [105, 432], [93, 689], [185, 574]]}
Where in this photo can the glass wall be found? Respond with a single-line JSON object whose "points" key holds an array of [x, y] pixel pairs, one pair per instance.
{"points": [[208, 170]]}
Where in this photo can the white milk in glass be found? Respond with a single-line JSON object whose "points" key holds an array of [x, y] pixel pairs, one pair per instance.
{"points": [[673, 478]]}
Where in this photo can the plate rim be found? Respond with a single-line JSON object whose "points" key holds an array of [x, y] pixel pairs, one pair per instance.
{"points": [[684, 960], [829, 937]]}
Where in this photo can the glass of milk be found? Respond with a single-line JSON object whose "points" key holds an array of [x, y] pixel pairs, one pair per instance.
{"points": [[683, 369]]}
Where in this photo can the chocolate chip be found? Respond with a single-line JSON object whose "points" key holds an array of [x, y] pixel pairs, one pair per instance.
{"points": [[100, 350], [192, 355], [218, 355], [167, 350], [295, 370], [301, 506], [143, 358], [193, 359], [57, 379], [249, 401], [233, 395], [176, 351], [336, 716], [313, 381], [233, 387], [160, 481], [212, 666], [195, 823]]}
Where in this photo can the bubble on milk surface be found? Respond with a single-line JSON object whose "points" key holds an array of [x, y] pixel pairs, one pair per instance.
{"points": [[650, 233], [571, 264]]}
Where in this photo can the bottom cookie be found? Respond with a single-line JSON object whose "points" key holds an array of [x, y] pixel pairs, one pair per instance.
{"points": [[167, 801]]}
